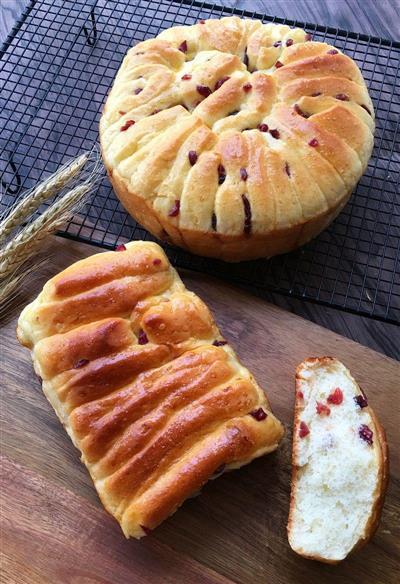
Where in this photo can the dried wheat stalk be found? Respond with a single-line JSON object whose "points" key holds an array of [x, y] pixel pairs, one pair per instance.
{"points": [[14, 255], [40, 194], [32, 236]]}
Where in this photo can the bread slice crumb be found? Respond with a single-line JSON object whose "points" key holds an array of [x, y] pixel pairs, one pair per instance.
{"points": [[339, 463]]}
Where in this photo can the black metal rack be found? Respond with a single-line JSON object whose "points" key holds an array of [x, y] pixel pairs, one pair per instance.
{"points": [[56, 68]]}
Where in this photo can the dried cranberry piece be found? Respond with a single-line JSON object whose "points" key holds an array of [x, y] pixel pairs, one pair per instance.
{"points": [[192, 157], [333, 52], [322, 409], [147, 530], [275, 134], [214, 221], [243, 174], [127, 125], [183, 47], [246, 58], [175, 209], [259, 414], [202, 21], [186, 77], [299, 111], [361, 401], [156, 262], [289, 42], [313, 143], [316, 94], [278, 64], [308, 37], [142, 338], [300, 394], [304, 430], [221, 174], [247, 87], [220, 82], [263, 127], [221, 343], [342, 97], [247, 215], [121, 113], [203, 90], [366, 109], [287, 169], [81, 363], [366, 434], [138, 90], [120, 247], [336, 397]]}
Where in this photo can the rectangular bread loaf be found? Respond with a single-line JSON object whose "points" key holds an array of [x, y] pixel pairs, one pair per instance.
{"points": [[139, 375]]}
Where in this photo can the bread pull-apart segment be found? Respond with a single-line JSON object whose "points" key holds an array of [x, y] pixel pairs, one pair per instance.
{"points": [[206, 127], [148, 390], [340, 463]]}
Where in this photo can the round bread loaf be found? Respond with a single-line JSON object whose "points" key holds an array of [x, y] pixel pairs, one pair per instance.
{"points": [[236, 139]]}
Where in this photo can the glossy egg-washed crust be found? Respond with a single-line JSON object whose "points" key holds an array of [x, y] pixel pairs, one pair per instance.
{"points": [[380, 447], [136, 369], [243, 192]]}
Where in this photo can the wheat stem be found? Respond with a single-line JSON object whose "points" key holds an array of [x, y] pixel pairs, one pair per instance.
{"points": [[12, 281], [8, 287]]}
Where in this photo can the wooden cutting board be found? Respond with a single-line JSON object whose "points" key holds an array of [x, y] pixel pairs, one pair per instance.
{"points": [[54, 529]]}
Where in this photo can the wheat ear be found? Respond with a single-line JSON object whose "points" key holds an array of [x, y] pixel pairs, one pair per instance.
{"points": [[52, 185], [15, 256], [31, 237]]}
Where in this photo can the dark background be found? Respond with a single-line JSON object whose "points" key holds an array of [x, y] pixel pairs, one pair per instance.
{"points": [[370, 17]]}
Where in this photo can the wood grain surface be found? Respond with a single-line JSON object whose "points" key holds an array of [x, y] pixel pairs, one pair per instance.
{"points": [[54, 529], [365, 16]]}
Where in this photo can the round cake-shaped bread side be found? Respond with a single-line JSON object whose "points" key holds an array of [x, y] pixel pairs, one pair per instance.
{"points": [[236, 139]]}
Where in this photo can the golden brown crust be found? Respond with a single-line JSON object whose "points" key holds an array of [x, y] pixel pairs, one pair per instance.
{"points": [[135, 367], [383, 463], [374, 519], [229, 137], [228, 247]]}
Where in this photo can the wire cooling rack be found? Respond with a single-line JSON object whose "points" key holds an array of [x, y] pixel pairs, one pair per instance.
{"points": [[57, 66]]}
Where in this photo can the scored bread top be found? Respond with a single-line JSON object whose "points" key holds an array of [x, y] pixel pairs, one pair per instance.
{"points": [[136, 369], [339, 463], [235, 129]]}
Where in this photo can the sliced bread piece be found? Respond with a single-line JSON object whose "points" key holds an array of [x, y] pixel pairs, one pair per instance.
{"points": [[340, 463]]}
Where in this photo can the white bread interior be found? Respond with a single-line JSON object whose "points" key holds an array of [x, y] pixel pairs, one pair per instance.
{"points": [[339, 478]]}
